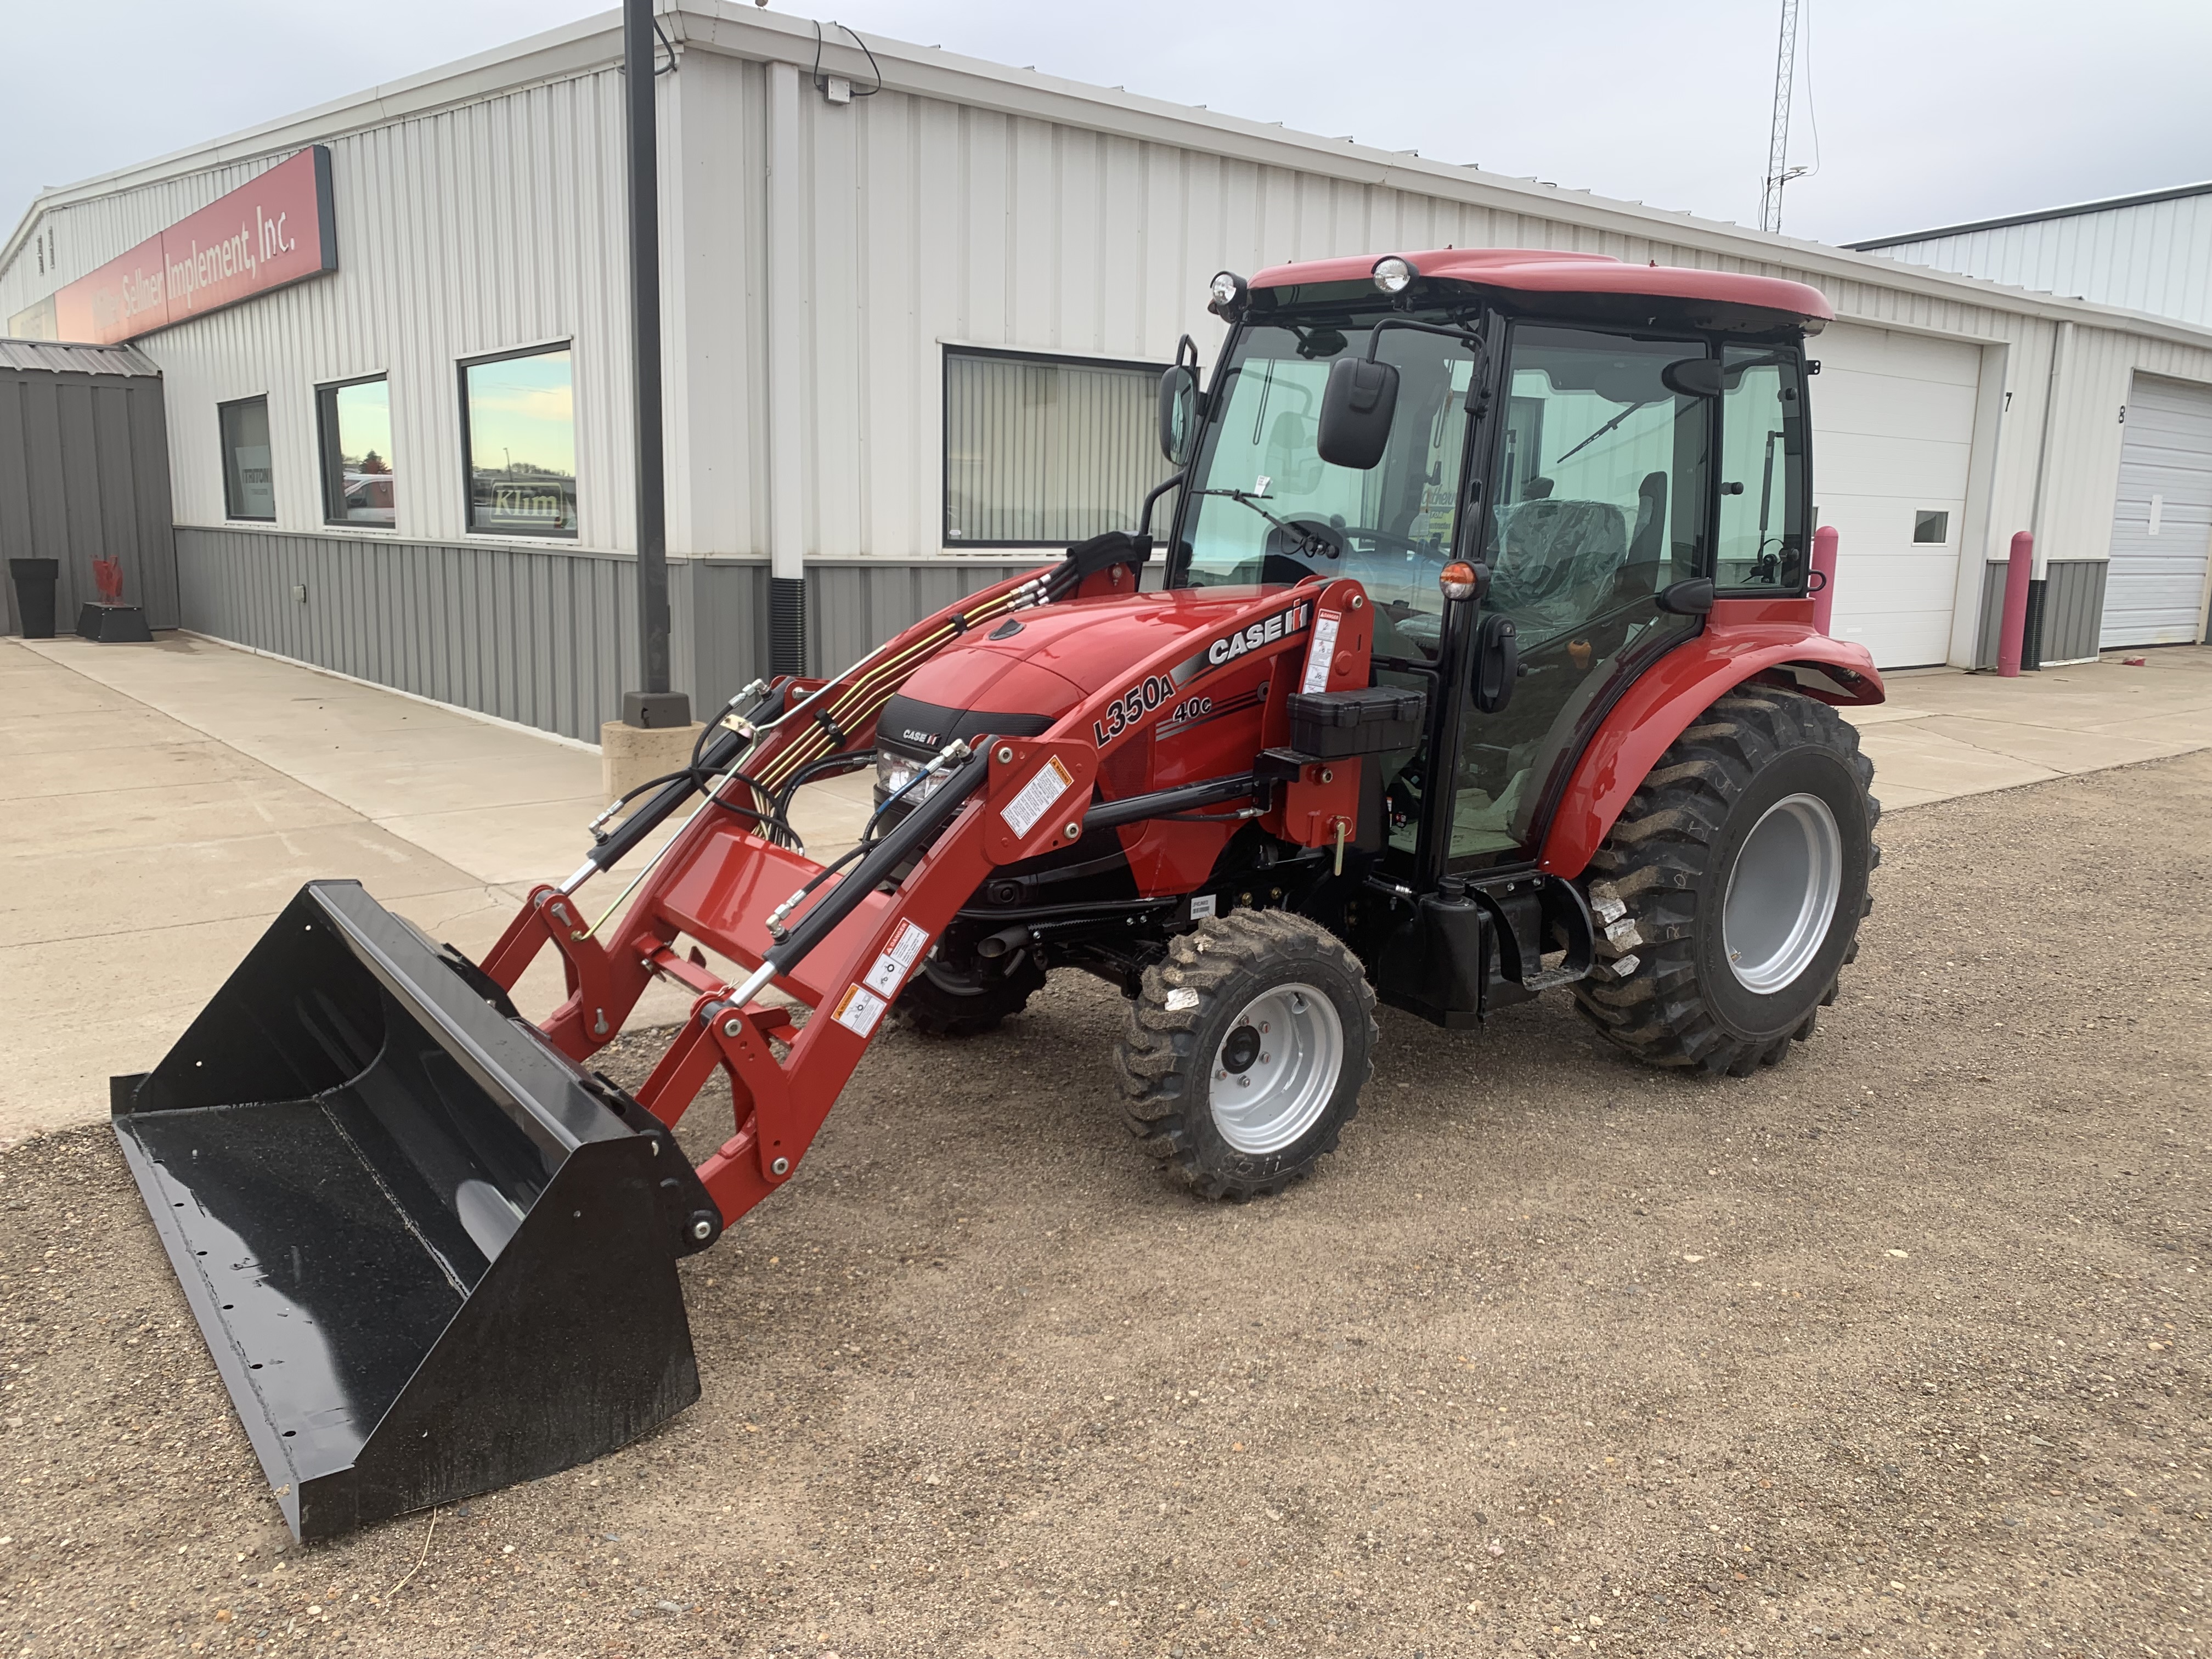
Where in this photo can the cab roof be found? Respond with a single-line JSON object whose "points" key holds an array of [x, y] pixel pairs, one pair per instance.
{"points": [[1546, 270]]}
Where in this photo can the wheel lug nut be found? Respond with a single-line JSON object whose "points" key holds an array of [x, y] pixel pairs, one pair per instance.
{"points": [[1263, 1059], [1244, 1082]]}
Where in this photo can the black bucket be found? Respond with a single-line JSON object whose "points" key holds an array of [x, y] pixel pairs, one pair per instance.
{"points": [[430, 1255]]}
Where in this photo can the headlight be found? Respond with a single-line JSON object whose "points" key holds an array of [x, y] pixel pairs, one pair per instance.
{"points": [[895, 771], [1394, 275], [1228, 290]]}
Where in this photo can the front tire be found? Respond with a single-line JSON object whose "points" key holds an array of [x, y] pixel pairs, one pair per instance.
{"points": [[1246, 1051], [947, 1000], [1730, 891]]}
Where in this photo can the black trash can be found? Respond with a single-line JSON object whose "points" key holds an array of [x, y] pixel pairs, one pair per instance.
{"points": [[35, 594]]}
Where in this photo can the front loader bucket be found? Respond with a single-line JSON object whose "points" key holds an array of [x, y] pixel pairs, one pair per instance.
{"points": [[429, 1255]]}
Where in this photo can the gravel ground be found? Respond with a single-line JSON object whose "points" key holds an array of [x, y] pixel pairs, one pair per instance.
{"points": [[1894, 1349]]}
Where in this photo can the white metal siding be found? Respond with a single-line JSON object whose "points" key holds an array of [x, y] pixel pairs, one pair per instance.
{"points": [[1892, 432], [2161, 518], [2153, 255]]}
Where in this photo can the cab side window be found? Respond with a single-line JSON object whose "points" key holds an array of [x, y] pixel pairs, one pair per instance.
{"points": [[1761, 532]]}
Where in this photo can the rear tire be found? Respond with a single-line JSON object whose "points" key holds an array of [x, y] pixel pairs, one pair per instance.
{"points": [[1246, 1051], [942, 1000], [1730, 891]]}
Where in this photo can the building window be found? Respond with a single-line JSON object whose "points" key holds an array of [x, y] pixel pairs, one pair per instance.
{"points": [[355, 428], [1041, 451], [1931, 528], [519, 437], [249, 489]]}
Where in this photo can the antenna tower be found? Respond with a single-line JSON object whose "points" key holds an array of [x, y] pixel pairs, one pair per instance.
{"points": [[1778, 170]]}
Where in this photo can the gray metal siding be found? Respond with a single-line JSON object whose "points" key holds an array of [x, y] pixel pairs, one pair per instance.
{"points": [[1985, 636], [84, 474], [543, 637], [854, 607], [2073, 601], [547, 638]]}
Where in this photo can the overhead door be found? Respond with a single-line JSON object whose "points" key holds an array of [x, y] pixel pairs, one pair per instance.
{"points": [[1892, 431], [2162, 517]]}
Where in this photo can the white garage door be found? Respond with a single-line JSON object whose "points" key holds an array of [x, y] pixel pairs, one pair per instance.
{"points": [[1892, 430], [2162, 519]]}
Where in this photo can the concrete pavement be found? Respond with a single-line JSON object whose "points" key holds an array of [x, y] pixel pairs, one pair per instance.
{"points": [[170, 798]]}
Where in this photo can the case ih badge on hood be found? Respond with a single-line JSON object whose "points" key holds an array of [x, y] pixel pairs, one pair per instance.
{"points": [[1138, 700]]}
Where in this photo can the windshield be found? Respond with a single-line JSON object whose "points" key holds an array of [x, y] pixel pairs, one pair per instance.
{"points": [[1265, 507]]}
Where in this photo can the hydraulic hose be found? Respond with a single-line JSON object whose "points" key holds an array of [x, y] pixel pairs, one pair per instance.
{"points": [[909, 836]]}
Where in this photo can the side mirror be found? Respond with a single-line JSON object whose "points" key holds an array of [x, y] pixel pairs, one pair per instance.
{"points": [[1178, 413], [1356, 411]]}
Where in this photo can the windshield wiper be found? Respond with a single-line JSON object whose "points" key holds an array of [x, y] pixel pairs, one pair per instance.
{"points": [[1606, 428], [1307, 541]]}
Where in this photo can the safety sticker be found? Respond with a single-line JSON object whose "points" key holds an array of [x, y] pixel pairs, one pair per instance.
{"points": [[859, 1010], [892, 967], [1321, 651], [1034, 799]]}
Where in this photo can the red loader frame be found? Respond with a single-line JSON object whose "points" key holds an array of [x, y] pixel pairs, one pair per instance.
{"points": [[721, 880]]}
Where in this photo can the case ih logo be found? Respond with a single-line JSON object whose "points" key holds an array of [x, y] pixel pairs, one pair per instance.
{"points": [[1138, 700], [1233, 646]]}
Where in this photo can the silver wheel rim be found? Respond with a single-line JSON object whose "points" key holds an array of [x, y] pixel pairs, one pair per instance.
{"points": [[1782, 893], [1290, 1045]]}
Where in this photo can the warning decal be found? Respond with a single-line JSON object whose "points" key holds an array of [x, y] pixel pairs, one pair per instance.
{"points": [[892, 967], [1321, 651], [859, 1010], [1034, 799]]}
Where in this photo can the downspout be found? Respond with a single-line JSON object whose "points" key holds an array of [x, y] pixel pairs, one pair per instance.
{"points": [[2062, 353], [788, 397], [2062, 349]]}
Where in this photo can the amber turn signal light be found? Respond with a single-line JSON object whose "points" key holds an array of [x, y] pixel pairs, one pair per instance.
{"points": [[1457, 579]]}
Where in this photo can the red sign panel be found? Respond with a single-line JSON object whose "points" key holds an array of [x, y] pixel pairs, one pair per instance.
{"points": [[265, 234]]}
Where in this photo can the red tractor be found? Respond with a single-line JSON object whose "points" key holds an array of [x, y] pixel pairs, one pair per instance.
{"points": [[1477, 661]]}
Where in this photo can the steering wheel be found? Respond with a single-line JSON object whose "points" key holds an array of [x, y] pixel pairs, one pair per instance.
{"points": [[1333, 539]]}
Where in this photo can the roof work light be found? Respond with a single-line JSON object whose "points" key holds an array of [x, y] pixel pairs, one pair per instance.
{"points": [[1393, 274]]}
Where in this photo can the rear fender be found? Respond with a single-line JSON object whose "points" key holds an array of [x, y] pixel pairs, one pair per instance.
{"points": [[1678, 688]]}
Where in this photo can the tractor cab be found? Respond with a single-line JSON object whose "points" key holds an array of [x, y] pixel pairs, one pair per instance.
{"points": [[1609, 449]]}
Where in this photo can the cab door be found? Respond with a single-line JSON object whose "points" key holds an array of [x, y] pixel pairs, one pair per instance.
{"points": [[1599, 503]]}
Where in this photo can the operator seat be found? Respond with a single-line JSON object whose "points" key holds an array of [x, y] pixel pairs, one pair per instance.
{"points": [[1557, 559]]}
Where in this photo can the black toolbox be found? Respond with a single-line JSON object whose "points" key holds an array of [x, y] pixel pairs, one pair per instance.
{"points": [[1372, 720]]}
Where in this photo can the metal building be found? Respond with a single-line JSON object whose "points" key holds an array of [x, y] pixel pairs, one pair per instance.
{"points": [[2147, 252], [2150, 252], [912, 303]]}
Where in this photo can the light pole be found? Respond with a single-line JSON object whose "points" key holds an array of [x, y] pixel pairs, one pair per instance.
{"points": [[653, 705]]}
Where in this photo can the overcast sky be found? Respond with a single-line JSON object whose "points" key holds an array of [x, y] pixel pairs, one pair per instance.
{"points": [[1927, 112]]}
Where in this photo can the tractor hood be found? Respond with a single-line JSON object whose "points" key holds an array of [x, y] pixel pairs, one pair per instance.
{"points": [[1019, 677]]}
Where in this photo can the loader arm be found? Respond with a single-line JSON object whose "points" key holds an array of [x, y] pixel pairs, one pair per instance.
{"points": [[851, 947]]}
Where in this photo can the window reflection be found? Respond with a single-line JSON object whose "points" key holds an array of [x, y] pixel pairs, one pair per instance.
{"points": [[356, 423], [519, 417]]}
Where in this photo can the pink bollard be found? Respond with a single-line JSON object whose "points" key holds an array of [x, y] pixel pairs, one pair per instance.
{"points": [[1824, 567], [2012, 630]]}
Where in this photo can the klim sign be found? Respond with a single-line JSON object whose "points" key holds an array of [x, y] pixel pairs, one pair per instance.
{"points": [[276, 230]]}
